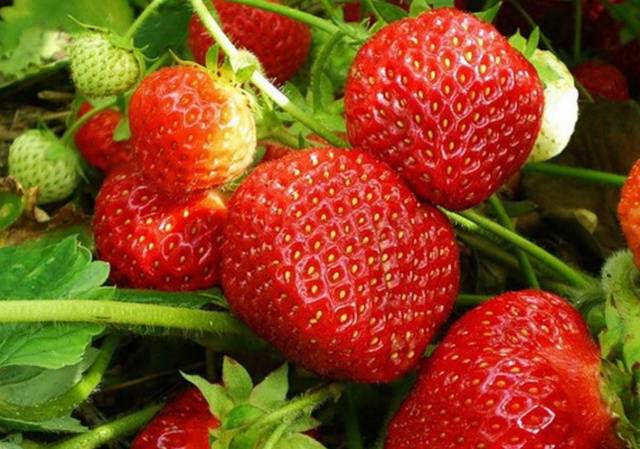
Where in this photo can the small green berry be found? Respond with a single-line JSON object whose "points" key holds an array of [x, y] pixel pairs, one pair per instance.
{"points": [[38, 159], [99, 68]]}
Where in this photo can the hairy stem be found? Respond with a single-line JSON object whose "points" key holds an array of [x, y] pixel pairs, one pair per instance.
{"points": [[141, 19], [525, 263], [582, 174], [97, 437], [260, 81]]}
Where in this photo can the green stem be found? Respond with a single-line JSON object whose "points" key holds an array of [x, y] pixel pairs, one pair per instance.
{"points": [[467, 300], [282, 136], [122, 313], [81, 121], [582, 174], [307, 401], [525, 263], [276, 435], [571, 275], [260, 81], [68, 401], [577, 29], [351, 423], [318, 67], [141, 19], [295, 14], [97, 437]]}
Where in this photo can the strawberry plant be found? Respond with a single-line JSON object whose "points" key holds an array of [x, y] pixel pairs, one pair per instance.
{"points": [[278, 224]]}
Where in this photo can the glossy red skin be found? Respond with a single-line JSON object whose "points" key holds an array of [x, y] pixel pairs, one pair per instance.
{"points": [[520, 371], [152, 241], [280, 43], [629, 211], [602, 80], [456, 138], [176, 122], [329, 257], [184, 423], [95, 141]]}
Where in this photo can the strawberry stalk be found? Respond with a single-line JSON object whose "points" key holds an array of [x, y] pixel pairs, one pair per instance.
{"points": [[525, 263], [259, 80], [81, 121], [105, 433], [351, 422], [583, 174], [569, 274], [141, 19], [221, 324]]}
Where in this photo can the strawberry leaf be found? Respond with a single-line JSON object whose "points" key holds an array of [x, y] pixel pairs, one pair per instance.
{"points": [[272, 390], [65, 424], [166, 29], [237, 380]]}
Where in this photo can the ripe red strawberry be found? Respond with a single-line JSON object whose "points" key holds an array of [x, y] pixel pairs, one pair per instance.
{"points": [[152, 241], [629, 211], [447, 102], [330, 258], [602, 80], [183, 423], [520, 371], [95, 140], [276, 150], [189, 131], [280, 43]]}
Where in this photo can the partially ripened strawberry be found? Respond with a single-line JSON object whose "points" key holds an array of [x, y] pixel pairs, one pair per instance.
{"points": [[95, 139], [280, 43], [329, 257], [447, 102], [100, 68], [520, 371], [190, 132], [38, 159], [184, 423], [629, 211], [602, 80], [153, 241]]}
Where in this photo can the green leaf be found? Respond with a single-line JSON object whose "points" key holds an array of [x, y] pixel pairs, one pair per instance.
{"points": [[11, 208], [418, 7], [298, 441], [237, 380], [58, 425], [272, 390], [304, 424], [242, 415], [219, 401], [489, 15], [45, 346], [164, 30], [389, 12]]}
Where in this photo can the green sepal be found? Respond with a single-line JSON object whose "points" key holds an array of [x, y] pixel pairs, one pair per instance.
{"points": [[298, 441], [237, 380], [123, 130], [489, 14], [242, 415], [220, 403], [272, 391]]}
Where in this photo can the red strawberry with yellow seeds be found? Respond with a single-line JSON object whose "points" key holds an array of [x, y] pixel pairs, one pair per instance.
{"points": [[330, 258], [184, 423], [447, 102], [153, 241], [602, 80], [280, 43], [190, 132], [95, 140], [520, 371], [629, 211]]}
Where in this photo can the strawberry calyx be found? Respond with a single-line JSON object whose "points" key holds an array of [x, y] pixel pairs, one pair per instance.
{"points": [[620, 343], [261, 415]]}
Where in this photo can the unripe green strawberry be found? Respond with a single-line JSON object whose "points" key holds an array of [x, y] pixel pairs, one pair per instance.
{"points": [[38, 159], [101, 68]]}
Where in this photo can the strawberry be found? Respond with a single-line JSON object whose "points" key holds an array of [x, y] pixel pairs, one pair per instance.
{"points": [[602, 80], [330, 258], [520, 371], [95, 139], [280, 43], [184, 423], [629, 211], [447, 102], [152, 241], [276, 150], [37, 158], [189, 131], [101, 68]]}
